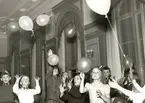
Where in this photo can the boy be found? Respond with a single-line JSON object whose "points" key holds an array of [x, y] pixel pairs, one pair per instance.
{"points": [[6, 92], [25, 95]]}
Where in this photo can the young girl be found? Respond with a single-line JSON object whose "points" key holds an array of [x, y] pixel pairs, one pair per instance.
{"points": [[98, 92], [25, 95], [137, 97], [64, 79], [72, 95]]}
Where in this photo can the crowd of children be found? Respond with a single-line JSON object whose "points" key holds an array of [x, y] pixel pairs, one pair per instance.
{"points": [[96, 86], [9, 92]]}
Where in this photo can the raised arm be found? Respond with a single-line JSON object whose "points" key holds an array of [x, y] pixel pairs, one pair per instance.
{"points": [[136, 85], [82, 88], [37, 89], [116, 86], [16, 85]]}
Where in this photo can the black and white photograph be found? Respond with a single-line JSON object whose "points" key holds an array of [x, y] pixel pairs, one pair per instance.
{"points": [[72, 51]]}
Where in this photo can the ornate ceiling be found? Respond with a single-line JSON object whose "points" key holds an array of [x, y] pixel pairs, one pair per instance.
{"points": [[11, 10]]}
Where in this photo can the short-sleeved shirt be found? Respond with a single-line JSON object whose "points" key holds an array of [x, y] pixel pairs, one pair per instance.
{"points": [[92, 89]]}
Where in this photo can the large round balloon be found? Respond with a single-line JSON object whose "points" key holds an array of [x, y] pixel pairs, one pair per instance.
{"points": [[53, 59], [42, 20], [127, 62], [26, 23], [84, 64], [13, 26], [119, 100], [70, 31], [101, 7]]}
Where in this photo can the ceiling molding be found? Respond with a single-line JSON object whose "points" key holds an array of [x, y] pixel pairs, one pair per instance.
{"points": [[45, 7]]}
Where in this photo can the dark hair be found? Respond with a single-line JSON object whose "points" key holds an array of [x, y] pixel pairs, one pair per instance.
{"points": [[4, 73], [75, 74], [126, 72], [105, 68]]}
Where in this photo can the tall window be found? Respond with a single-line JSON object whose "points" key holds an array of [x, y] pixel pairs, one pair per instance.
{"points": [[130, 23]]}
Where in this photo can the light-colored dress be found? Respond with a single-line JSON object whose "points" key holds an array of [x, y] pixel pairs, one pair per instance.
{"points": [[92, 89]]}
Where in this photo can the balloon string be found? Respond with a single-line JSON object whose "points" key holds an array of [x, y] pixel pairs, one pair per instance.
{"points": [[115, 36]]}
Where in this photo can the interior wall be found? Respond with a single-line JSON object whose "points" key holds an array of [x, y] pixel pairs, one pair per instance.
{"points": [[96, 40], [69, 11], [3, 45]]}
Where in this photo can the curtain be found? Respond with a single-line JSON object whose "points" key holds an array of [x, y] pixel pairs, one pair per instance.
{"points": [[33, 72], [113, 56], [61, 53]]}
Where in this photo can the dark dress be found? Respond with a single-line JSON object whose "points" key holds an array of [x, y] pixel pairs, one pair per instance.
{"points": [[53, 92], [74, 96], [6, 94]]}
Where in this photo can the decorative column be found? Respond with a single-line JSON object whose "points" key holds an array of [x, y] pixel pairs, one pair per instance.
{"points": [[33, 72], [113, 55], [62, 53]]}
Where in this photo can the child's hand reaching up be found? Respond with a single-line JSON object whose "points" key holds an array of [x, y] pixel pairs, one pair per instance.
{"points": [[82, 75], [17, 77], [37, 79]]}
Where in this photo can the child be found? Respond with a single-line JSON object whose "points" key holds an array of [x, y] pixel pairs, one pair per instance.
{"points": [[106, 74], [6, 92], [25, 95], [137, 97], [98, 92]]}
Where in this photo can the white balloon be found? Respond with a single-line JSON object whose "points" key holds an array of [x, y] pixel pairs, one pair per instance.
{"points": [[101, 7], [42, 20], [53, 59], [26, 23]]}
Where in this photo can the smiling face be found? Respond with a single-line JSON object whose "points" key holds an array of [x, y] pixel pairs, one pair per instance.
{"points": [[96, 74], [25, 81], [106, 73], [77, 80], [5, 78]]}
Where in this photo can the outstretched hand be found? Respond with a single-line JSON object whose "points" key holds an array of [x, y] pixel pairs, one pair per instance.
{"points": [[70, 84], [18, 77], [37, 79], [113, 83], [62, 89]]}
